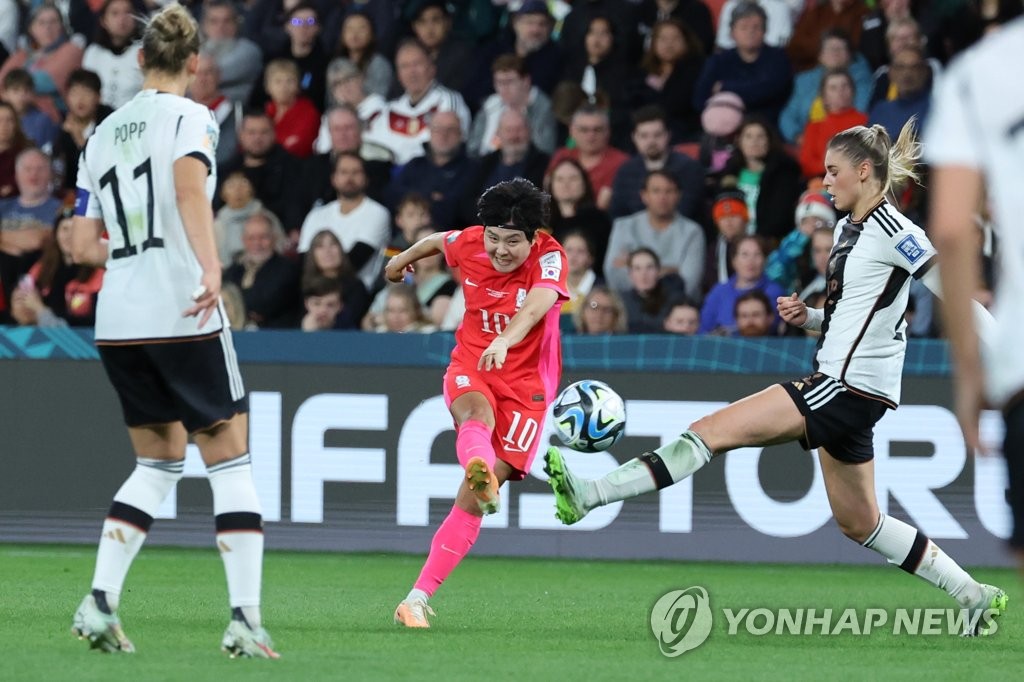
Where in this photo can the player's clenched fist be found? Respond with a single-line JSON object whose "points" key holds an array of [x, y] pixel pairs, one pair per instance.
{"points": [[792, 309], [394, 271]]}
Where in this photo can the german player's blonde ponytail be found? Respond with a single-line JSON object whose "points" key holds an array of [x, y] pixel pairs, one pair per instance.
{"points": [[893, 164]]}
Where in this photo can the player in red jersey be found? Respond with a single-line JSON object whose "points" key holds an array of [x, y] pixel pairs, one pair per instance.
{"points": [[505, 367]]}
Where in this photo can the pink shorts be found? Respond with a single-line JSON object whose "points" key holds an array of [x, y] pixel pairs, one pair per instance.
{"points": [[518, 419]]}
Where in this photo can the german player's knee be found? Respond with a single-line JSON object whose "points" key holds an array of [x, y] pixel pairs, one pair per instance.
{"points": [[701, 426], [857, 526], [705, 428]]}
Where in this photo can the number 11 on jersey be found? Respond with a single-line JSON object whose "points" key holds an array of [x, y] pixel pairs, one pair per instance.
{"points": [[110, 179]]}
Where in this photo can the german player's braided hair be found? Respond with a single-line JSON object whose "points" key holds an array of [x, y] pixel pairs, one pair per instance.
{"points": [[515, 204], [169, 39]]}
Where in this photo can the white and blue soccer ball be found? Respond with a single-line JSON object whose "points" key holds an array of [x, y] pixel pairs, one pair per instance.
{"points": [[589, 416]]}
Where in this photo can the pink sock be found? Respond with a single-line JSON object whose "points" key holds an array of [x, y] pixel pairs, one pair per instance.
{"points": [[474, 440], [451, 542]]}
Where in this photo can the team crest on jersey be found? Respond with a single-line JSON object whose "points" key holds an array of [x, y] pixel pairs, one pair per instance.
{"points": [[461, 381], [551, 266], [910, 249], [520, 298]]}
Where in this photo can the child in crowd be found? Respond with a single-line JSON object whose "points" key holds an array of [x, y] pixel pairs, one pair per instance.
{"points": [[683, 318], [20, 92], [411, 215], [84, 113], [296, 119], [322, 297], [403, 313]]}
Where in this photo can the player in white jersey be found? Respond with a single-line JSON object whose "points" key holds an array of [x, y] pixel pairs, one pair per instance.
{"points": [[975, 143], [857, 377], [146, 178]]}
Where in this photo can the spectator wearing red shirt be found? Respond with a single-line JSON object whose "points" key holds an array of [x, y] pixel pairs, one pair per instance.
{"points": [[296, 120], [591, 131], [837, 90]]}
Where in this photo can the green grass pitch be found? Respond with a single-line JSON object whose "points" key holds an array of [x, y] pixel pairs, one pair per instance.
{"points": [[524, 619]]}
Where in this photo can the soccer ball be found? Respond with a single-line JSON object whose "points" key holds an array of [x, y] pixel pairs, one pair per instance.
{"points": [[590, 416]]}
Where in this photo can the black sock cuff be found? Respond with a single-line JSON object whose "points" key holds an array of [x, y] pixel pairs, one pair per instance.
{"points": [[913, 559], [660, 472], [101, 601], [130, 515], [699, 442], [239, 522]]}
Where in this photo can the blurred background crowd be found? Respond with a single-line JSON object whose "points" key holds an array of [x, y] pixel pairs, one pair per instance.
{"points": [[682, 142]]}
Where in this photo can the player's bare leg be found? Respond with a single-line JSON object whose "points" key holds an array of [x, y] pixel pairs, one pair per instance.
{"points": [[160, 461], [451, 543], [851, 494], [239, 522], [764, 418]]}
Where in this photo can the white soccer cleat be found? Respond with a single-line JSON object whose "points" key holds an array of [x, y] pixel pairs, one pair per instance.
{"points": [[102, 630], [412, 613], [981, 617], [241, 641]]}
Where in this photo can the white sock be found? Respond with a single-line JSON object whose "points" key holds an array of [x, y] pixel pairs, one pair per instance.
{"points": [[236, 509], [909, 548], [128, 522], [669, 464], [415, 594]]}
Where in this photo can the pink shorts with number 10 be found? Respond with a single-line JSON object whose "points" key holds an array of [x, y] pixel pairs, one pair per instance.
{"points": [[518, 418]]}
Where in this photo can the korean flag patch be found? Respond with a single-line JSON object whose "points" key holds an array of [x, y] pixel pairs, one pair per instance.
{"points": [[910, 249], [551, 266]]}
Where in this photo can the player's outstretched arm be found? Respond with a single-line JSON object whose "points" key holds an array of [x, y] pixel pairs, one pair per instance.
{"points": [[88, 247], [956, 194], [197, 217], [394, 271], [537, 304]]}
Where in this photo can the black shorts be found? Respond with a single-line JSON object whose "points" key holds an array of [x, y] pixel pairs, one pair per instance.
{"points": [[1013, 451], [194, 381], [836, 419]]}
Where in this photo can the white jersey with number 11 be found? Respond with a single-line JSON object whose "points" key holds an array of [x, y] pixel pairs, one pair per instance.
{"points": [[126, 179]]}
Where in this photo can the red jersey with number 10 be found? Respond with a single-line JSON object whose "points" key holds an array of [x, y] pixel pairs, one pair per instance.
{"points": [[493, 297]]}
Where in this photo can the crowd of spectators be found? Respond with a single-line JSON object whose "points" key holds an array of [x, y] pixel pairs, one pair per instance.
{"points": [[681, 141]]}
